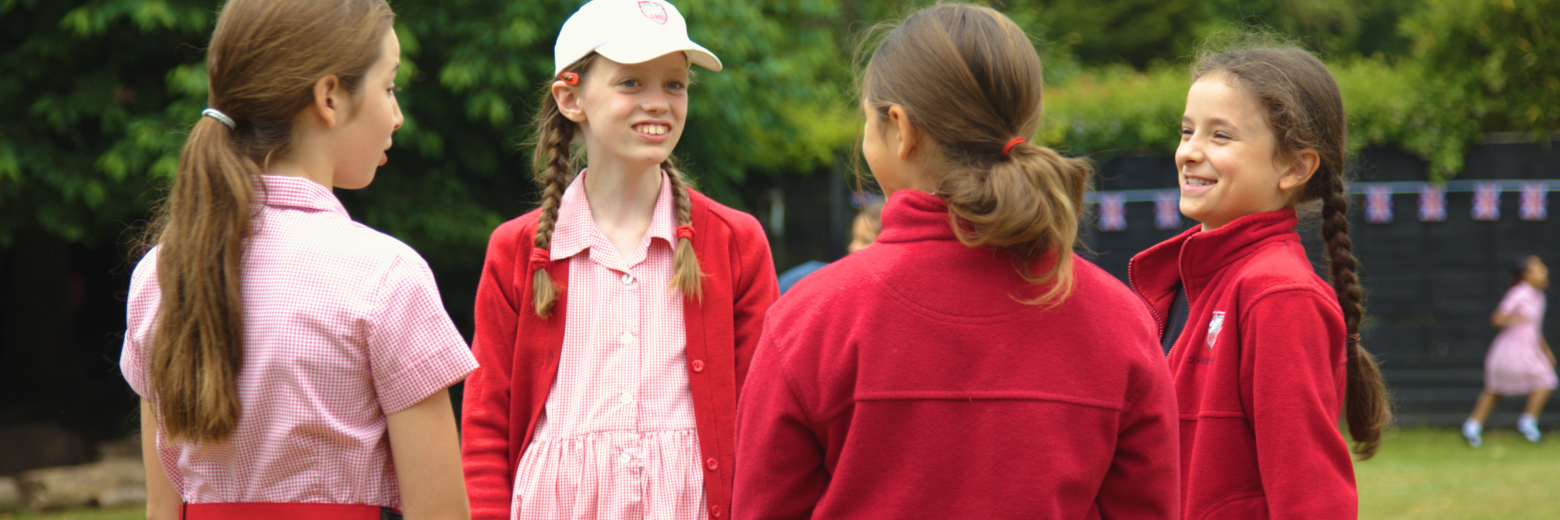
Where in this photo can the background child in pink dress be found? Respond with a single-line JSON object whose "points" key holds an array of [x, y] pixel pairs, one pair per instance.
{"points": [[1519, 361]]}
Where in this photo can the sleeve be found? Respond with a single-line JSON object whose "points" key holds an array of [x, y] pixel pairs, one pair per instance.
{"points": [[1512, 301], [780, 460], [143, 300], [413, 348], [1144, 476], [485, 421], [756, 290], [1292, 387]]}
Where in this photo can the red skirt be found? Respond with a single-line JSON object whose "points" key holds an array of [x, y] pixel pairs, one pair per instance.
{"points": [[289, 511]]}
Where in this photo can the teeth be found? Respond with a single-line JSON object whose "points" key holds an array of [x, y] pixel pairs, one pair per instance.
{"points": [[1193, 181], [652, 129]]}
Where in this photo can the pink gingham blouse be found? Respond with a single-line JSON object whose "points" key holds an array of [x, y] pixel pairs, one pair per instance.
{"points": [[343, 326], [617, 438]]}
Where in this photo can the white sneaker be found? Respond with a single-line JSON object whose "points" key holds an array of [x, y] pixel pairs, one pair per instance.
{"points": [[1472, 431], [1528, 425]]}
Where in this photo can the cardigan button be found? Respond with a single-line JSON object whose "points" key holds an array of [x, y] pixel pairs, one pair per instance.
{"points": [[715, 511], [710, 463], [698, 365]]}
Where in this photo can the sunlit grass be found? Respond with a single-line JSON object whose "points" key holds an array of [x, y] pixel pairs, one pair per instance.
{"points": [[1432, 473]]}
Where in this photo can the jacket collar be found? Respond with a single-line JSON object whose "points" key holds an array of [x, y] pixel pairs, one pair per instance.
{"points": [[1193, 257], [576, 228], [297, 192], [911, 215]]}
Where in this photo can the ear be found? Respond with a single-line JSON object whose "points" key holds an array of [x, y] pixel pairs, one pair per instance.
{"points": [[905, 136], [330, 101], [1300, 170], [568, 100]]}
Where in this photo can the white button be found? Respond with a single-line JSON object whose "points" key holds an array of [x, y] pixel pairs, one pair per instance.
{"points": [[628, 279], [627, 339], [625, 457], [626, 398]]}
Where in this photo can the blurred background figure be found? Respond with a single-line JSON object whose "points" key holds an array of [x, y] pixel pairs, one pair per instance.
{"points": [[1520, 361], [863, 232]]}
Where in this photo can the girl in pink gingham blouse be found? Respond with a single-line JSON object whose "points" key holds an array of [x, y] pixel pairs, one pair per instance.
{"points": [[292, 363], [614, 323]]}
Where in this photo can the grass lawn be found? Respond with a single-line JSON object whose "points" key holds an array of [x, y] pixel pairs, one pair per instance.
{"points": [[1432, 473], [1419, 473]]}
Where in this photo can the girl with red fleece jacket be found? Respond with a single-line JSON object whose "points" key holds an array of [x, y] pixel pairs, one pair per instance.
{"points": [[967, 365], [614, 324], [1269, 354]]}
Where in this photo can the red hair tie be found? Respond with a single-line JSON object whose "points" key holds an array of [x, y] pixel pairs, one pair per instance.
{"points": [[539, 258], [569, 78], [685, 232], [1010, 145]]}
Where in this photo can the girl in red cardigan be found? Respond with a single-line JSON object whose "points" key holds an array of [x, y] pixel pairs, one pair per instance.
{"points": [[615, 323], [1265, 354], [968, 364]]}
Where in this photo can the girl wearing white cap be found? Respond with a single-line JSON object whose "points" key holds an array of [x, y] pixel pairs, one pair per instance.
{"points": [[615, 323]]}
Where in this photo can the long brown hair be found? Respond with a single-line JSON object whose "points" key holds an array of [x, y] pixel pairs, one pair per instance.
{"points": [[970, 79], [1305, 110], [264, 59], [554, 163]]}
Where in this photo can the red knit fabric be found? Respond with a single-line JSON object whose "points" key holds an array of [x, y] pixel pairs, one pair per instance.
{"points": [[520, 352], [1259, 371], [905, 381]]}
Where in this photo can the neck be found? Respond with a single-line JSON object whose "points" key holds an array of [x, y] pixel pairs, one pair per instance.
{"points": [[620, 196], [316, 170]]}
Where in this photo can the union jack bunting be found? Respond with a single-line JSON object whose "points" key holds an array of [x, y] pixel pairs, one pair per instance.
{"points": [[1378, 204], [1167, 209], [1113, 212], [1486, 201], [1535, 201], [1432, 203]]}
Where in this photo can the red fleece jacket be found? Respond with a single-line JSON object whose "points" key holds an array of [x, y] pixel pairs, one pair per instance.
{"points": [[907, 381], [519, 352], [1259, 371]]}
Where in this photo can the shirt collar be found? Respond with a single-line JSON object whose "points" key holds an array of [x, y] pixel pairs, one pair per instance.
{"points": [[576, 226], [297, 192]]}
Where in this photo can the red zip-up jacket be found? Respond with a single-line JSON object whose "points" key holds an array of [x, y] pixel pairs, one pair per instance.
{"points": [[519, 351], [1259, 371], [907, 381]]}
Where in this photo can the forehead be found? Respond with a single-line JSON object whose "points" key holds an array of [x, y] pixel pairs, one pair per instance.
{"points": [[1216, 96]]}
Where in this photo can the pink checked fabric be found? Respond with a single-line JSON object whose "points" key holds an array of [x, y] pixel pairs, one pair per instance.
{"points": [[617, 437], [342, 326]]}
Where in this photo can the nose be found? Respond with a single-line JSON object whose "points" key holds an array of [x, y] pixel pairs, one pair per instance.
{"points": [[1189, 152], [399, 118], [655, 102]]}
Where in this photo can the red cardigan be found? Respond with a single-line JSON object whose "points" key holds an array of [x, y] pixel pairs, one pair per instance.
{"points": [[1259, 371], [906, 381], [519, 352]]}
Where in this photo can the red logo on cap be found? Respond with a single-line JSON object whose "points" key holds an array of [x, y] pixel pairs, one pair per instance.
{"points": [[653, 11]]}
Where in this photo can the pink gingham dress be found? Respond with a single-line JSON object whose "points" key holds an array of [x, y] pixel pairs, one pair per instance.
{"points": [[343, 326], [617, 437], [1516, 364]]}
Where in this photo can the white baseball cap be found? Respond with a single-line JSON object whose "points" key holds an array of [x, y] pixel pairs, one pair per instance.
{"points": [[627, 31]]}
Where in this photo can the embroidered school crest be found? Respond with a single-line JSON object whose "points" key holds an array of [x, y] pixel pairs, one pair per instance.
{"points": [[1214, 326], [654, 11]]}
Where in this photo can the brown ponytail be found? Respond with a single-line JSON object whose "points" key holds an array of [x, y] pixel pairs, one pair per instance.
{"points": [[1305, 111], [555, 161], [264, 58], [970, 78]]}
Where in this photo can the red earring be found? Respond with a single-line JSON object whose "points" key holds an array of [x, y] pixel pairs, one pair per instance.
{"points": [[569, 78]]}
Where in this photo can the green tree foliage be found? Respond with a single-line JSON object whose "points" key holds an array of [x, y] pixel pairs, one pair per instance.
{"points": [[106, 90], [1494, 58]]}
